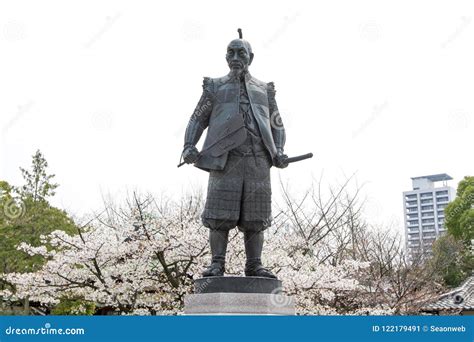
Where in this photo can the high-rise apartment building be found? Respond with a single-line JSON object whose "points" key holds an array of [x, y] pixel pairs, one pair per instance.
{"points": [[424, 211]]}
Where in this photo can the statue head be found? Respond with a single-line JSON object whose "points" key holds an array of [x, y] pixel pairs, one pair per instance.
{"points": [[239, 55]]}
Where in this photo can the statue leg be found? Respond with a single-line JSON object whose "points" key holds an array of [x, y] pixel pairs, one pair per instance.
{"points": [[218, 238], [255, 215], [253, 250], [221, 211]]}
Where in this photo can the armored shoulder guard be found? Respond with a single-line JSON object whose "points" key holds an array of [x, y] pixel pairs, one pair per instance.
{"points": [[271, 96], [208, 85]]}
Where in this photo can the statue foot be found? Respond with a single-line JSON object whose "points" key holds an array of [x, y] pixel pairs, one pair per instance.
{"points": [[215, 270], [259, 271]]}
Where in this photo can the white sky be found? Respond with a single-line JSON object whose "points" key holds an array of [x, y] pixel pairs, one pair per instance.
{"points": [[105, 90]]}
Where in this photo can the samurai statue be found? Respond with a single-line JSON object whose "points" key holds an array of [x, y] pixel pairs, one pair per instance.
{"points": [[245, 138]]}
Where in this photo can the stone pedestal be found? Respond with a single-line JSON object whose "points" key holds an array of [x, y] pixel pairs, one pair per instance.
{"points": [[238, 296]]}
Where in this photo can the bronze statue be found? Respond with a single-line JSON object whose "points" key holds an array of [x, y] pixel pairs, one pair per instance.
{"points": [[245, 138]]}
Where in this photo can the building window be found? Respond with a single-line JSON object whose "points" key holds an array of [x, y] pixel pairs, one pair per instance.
{"points": [[427, 207], [426, 201], [427, 221], [443, 192], [429, 234], [442, 199], [426, 194]]}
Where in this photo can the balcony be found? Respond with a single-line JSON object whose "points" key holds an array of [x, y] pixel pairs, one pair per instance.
{"points": [[426, 195], [442, 200], [427, 235]]}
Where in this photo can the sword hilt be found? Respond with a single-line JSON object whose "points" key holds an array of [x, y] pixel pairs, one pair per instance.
{"points": [[298, 158]]}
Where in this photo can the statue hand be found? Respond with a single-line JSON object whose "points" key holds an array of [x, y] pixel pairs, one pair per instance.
{"points": [[190, 154], [279, 160]]}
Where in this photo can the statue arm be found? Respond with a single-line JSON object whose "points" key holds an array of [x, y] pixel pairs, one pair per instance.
{"points": [[278, 130], [200, 118]]}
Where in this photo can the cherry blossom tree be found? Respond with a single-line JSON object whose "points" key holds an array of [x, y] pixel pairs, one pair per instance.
{"points": [[141, 257]]}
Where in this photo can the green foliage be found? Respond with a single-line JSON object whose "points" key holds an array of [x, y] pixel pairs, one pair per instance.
{"points": [[5, 201], [452, 260], [39, 218], [452, 254], [459, 214], [38, 184], [74, 306], [25, 215]]}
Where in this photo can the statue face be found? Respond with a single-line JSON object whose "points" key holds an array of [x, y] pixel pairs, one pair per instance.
{"points": [[238, 57]]}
